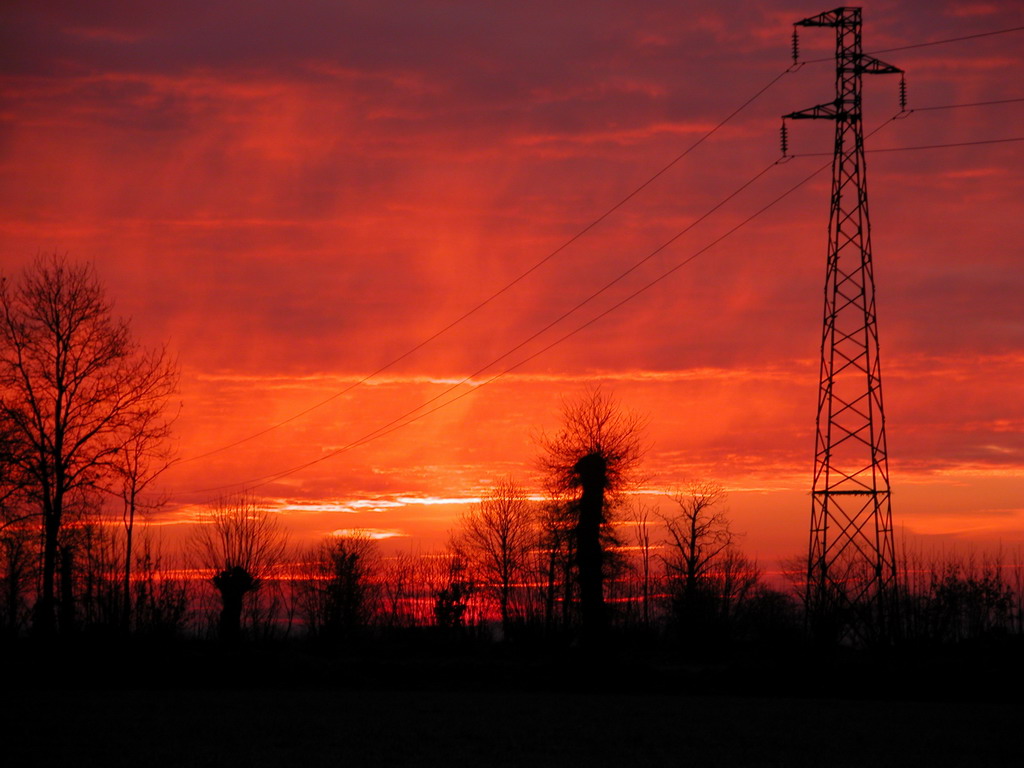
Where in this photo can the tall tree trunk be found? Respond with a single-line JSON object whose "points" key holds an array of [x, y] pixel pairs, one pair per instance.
{"points": [[549, 598], [567, 589], [505, 619], [67, 591], [591, 470], [129, 530], [647, 587], [233, 585], [230, 624], [44, 620]]}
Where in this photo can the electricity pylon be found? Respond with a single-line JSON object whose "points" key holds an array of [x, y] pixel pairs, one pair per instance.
{"points": [[851, 564]]}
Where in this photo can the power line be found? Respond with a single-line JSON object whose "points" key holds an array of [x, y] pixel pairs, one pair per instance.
{"points": [[926, 44], [266, 479], [551, 324], [408, 418], [944, 146], [925, 146], [508, 286], [948, 40], [970, 104], [908, 112]]}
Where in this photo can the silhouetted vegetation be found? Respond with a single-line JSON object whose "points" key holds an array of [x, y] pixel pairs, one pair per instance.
{"points": [[242, 546], [77, 390], [336, 587], [496, 537], [534, 578], [594, 456]]}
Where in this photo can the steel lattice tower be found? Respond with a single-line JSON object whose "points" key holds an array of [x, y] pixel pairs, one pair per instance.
{"points": [[851, 566]]}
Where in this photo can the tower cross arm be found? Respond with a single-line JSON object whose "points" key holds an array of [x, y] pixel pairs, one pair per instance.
{"points": [[833, 18], [829, 111], [872, 66]]}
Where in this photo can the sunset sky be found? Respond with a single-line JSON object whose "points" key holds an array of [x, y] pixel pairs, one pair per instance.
{"points": [[292, 195]]}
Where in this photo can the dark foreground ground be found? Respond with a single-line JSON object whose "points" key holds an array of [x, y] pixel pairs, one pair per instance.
{"points": [[310, 728], [197, 706]]}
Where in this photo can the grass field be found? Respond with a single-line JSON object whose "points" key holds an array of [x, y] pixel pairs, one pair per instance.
{"points": [[308, 728]]}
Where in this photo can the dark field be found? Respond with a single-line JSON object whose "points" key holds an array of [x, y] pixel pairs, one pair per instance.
{"points": [[309, 728]]}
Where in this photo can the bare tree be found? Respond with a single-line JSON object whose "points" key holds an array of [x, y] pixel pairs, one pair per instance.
{"points": [[698, 533], [495, 537], [242, 545], [397, 586], [141, 459], [736, 579], [89, 579], [553, 555], [642, 534], [12, 476], [160, 596], [595, 454], [451, 586], [18, 537], [335, 588], [74, 384], [18, 560]]}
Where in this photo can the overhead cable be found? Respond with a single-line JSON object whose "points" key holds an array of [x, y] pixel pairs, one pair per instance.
{"points": [[505, 288]]}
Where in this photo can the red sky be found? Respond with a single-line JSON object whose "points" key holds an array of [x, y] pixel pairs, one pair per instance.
{"points": [[293, 194]]}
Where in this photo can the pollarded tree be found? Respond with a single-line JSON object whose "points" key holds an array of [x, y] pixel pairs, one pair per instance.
{"points": [[496, 536], [595, 454], [242, 544], [74, 386]]}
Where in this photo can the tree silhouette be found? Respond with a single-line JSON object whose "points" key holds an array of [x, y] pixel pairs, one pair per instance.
{"points": [[160, 601], [242, 544], [141, 459], [595, 454], [698, 534], [75, 386], [495, 537], [555, 558], [452, 590], [17, 566], [641, 518], [17, 533], [335, 590]]}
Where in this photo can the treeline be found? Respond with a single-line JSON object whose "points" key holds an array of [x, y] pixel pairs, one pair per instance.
{"points": [[84, 432], [508, 575]]}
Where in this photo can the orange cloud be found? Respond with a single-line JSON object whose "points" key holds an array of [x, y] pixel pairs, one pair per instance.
{"points": [[294, 199]]}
